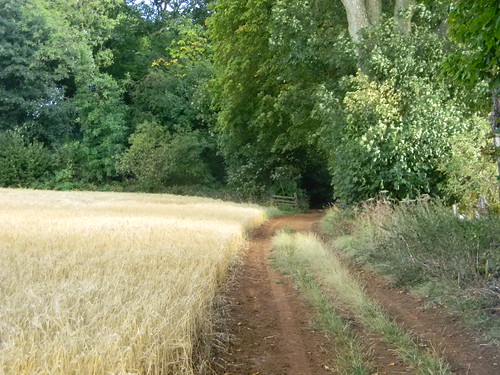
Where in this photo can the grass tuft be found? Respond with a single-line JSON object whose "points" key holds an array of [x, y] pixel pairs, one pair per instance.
{"points": [[350, 354], [310, 257]]}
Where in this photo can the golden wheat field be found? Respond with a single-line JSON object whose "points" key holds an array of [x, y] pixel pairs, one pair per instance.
{"points": [[110, 283]]}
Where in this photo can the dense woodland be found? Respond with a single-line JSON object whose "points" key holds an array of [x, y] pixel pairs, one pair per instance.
{"points": [[326, 99]]}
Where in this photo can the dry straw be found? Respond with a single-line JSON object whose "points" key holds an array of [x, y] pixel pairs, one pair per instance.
{"points": [[106, 283]]}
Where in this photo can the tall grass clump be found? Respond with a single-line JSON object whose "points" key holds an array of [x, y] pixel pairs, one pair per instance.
{"points": [[107, 283], [313, 264], [422, 244], [429, 241]]}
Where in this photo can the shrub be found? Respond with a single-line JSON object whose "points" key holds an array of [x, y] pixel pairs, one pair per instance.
{"points": [[22, 163], [156, 159], [423, 245], [428, 240], [470, 173], [392, 127]]}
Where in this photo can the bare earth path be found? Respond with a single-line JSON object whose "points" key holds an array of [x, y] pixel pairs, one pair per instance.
{"points": [[270, 326], [269, 322]]}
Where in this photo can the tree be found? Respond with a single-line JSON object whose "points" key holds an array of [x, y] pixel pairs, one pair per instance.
{"points": [[391, 128], [171, 90], [31, 99], [157, 159], [102, 120], [367, 13], [77, 50], [23, 163], [271, 59], [476, 24]]}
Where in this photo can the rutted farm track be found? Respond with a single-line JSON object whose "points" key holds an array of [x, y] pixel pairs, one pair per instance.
{"points": [[268, 328]]}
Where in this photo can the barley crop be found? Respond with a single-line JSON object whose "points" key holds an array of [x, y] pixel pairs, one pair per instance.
{"points": [[110, 283]]}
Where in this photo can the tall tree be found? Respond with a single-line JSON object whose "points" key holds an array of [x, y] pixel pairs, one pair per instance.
{"points": [[365, 13], [272, 58], [78, 51], [32, 100]]}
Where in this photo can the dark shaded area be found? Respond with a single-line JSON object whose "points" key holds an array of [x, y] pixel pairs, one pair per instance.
{"points": [[316, 181]]}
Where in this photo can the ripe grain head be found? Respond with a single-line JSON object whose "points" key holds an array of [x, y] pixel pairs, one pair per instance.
{"points": [[104, 283]]}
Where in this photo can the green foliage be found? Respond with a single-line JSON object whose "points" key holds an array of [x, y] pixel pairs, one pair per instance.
{"points": [[476, 24], [431, 241], [470, 172], [158, 160], [289, 109], [146, 158], [271, 58], [31, 101], [395, 121], [102, 120], [423, 244], [186, 159], [23, 163], [418, 241], [173, 90]]}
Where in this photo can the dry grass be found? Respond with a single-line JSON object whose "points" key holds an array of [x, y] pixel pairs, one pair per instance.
{"points": [[310, 256], [105, 283]]}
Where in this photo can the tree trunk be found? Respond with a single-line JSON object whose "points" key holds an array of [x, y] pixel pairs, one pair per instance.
{"points": [[495, 126], [374, 11], [402, 16], [357, 16]]}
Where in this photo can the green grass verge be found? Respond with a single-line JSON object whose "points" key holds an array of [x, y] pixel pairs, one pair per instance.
{"points": [[350, 358], [308, 255]]}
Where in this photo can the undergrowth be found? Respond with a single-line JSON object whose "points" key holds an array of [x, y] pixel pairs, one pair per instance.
{"points": [[312, 265], [453, 261]]}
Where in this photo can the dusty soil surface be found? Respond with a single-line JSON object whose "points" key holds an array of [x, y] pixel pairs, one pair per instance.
{"points": [[267, 330], [435, 327], [269, 327]]}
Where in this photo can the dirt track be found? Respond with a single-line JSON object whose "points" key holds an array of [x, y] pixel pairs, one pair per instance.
{"points": [[270, 326]]}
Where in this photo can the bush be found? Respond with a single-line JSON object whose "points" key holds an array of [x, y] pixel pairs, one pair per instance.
{"points": [[428, 240], [339, 222], [392, 125], [423, 245], [420, 240], [23, 164], [470, 171], [157, 160]]}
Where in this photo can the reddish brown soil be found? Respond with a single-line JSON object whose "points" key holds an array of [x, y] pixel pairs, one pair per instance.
{"points": [[435, 328], [269, 323], [269, 326]]}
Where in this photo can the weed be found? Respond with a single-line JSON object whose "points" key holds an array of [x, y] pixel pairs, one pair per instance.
{"points": [[423, 243]]}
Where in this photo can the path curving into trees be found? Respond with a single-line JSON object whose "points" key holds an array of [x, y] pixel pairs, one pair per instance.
{"points": [[268, 327]]}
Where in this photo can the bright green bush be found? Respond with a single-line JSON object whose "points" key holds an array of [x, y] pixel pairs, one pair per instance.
{"points": [[392, 128], [470, 171]]}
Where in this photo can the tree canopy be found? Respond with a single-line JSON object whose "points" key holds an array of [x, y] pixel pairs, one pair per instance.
{"points": [[328, 100]]}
